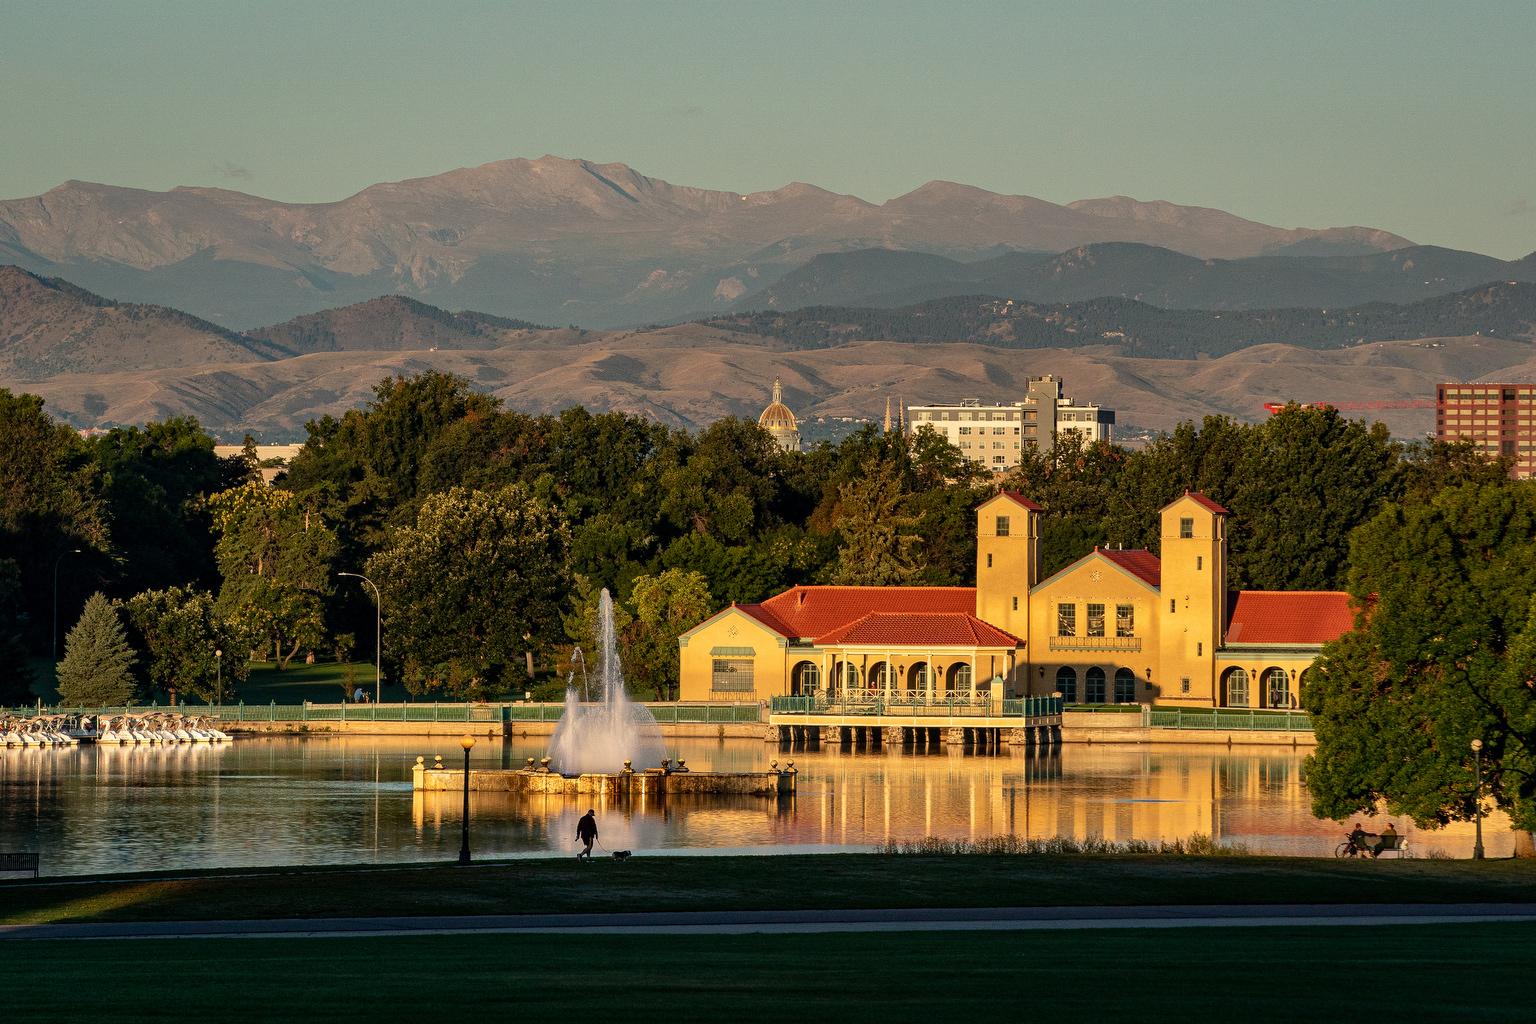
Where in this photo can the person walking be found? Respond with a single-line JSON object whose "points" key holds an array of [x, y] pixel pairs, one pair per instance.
{"points": [[586, 833]]}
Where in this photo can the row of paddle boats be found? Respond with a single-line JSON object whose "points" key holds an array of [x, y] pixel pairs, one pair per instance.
{"points": [[140, 729]]}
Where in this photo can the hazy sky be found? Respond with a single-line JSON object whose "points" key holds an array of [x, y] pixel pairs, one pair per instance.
{"points": [[1415, 117]]}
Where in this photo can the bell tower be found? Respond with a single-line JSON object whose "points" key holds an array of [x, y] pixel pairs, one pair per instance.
{"points": [[1193, 610], [1007, 560]]}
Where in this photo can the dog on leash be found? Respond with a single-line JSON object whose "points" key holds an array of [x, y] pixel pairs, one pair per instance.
{"points": [[621, 855]]}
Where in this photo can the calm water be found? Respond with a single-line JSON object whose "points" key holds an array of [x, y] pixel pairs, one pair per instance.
{"points": [[288, 800]]}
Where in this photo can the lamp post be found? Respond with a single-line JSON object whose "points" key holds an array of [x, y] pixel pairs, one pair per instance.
{"points": [[218, 673], [56, 561], [1477, 761], [467, 742], [378, 635]]}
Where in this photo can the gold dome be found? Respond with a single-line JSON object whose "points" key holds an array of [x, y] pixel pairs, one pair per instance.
{"points": [[779, 421]]}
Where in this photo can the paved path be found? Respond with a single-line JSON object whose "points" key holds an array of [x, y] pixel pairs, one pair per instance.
{"points": [[740, 922]]}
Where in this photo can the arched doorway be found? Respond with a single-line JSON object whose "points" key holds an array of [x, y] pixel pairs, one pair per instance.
{"points": [[1234, 688], [1093, 682], [879, 677], [1125, 686], [958, 679], [804, 679], [845, 676], [1066, 684], [917, 677], [1277, 688]]}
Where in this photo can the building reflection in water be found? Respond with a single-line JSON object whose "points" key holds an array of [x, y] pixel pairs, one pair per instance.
{"points": [[290, 800]]}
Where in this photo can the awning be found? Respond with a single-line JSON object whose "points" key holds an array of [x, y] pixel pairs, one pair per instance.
{"points": [[732, 652]]}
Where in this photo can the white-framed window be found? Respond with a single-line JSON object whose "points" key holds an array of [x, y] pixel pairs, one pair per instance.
{"points": [[1066, 620], [732, 675]]}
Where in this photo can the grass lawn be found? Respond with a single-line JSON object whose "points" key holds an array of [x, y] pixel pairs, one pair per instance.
{"points": [[834, 881], [1424, 972]]}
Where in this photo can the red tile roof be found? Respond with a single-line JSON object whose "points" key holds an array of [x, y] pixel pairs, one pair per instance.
{"points": [[1139, 562], [804, 612], [906, 629], [1206, 503], [1280, 618], [1019, 499]]}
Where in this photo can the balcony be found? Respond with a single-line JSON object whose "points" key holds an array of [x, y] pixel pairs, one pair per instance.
{"points": [[1095, 643]]}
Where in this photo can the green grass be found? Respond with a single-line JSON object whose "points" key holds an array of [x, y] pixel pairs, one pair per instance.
{"points": [[1437, 972], [321, 682], [832, 881]]}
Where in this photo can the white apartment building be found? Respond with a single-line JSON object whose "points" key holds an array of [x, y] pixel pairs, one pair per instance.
{"points": [[994, 435]]}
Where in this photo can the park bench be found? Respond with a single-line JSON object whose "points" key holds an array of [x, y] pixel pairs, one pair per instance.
{"points": [[1371, 842], [1397, 845], [21, 862]]}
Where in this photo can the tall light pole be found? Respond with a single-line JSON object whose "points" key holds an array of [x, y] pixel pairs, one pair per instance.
{"points": [[467, 742], [56, 561], [378, 637], [1477, 760], [218, 670]]}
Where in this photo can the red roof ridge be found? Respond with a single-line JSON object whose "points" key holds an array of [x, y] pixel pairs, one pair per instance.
{"points": [[1205, 502], [1017, 499]]}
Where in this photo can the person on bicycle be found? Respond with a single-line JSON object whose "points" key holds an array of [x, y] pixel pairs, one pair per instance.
{"points": [[1357, 843]]}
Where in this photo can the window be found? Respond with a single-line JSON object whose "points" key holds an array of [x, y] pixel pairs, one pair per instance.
{"points": [[959, 678], [806, 678], [1002, 526], [1066, 683], [1186, 528], [1125, 686], [917, 677], [965, 431], [1184, 684], [1066, 620], [1199, 562], [1095, 620], [1234, 687], [1125, 620], [989, 561], [1199, 649], [1094, 686], [1172, 606], [998, 459], [1277, 686], [732, 674], [998, 431], [1015, 604]]}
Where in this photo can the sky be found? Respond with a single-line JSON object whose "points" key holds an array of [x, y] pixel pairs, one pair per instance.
{"points": [[1419, 118]]}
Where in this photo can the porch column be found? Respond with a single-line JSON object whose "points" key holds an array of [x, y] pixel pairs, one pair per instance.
{"points": [[973, 674], [890, 675], [929, 680]]}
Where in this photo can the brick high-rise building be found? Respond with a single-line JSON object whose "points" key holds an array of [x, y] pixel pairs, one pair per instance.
{"points": [[1500, 419]]}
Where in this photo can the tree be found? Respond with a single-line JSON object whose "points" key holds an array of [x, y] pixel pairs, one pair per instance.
{"points": [[178, 634], [1445, 653], [876, 549], [97, 669], [15, 670], [478, 580], [666, 607], [275, 557]]}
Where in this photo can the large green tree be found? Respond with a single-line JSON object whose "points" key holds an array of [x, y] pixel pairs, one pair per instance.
{"points": [[666, 606], [186, 648], [880, 543], [97, 667], [1445, 653], [472, 586], [15, 668], [276, 558]]}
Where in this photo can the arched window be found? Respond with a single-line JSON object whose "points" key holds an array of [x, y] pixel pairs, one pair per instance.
{"points": [[1125, 686], [917, 677], [959, 678], [1277, 688], [805, 679], [846, 675], [1066, 682], [1234, 688], [1094, 685], [879, 675]]}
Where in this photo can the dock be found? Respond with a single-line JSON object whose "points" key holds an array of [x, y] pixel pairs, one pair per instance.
{"points": [[876, 723]]}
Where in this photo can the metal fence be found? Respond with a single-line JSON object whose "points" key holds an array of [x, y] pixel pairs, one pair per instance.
{"points": [[666, 713], [1261, 721], [958, 706]]}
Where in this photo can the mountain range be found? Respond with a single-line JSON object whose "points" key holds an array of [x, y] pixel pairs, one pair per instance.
{"points": [[98, 362], [557, 240]]}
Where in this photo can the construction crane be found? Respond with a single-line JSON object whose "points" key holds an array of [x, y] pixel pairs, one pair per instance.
{"points": [[1402, 403]]}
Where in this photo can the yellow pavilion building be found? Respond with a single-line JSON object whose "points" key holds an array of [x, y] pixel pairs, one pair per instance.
{"points": [[1116, 626]]}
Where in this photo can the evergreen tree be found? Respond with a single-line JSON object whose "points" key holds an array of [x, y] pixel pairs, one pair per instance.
{"points": [[15, 670], [878, 548], [97, 669]]}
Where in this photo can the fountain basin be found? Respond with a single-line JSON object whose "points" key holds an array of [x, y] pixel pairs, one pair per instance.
{"points": [[648, 784]]}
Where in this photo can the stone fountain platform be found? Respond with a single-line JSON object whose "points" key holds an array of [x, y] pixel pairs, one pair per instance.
{"points": [[539, 780]]}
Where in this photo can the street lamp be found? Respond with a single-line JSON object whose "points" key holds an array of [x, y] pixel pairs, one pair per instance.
{"points": [[378, 635], [1477, 760], [218, 673], [467, 742], [56, 561]]}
